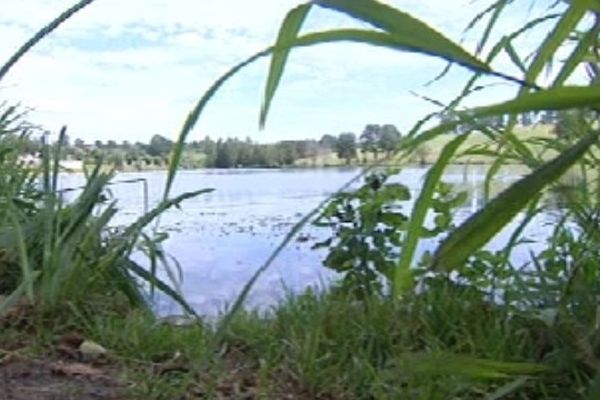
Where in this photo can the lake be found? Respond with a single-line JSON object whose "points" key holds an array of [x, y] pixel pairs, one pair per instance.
{"points": [[221, 238]]}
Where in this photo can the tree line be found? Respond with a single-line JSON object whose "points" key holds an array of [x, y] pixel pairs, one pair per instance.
{"points": [[234, 152]]}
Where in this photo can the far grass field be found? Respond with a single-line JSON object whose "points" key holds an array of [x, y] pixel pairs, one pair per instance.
{"points": [[429, 152]]}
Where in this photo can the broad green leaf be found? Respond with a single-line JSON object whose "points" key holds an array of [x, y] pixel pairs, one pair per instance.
{"points": [[561, 31], [402, 278], [403, 26], [395, 42], [560, 98], [592, 5], [445, 363], [287, 33], [483, 225]]}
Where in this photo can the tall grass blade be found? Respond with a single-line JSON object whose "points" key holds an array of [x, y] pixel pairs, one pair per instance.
{"points": [[483, 225], [567, 23], [506, 390], [239, 301], [160, 285], [42, 33], [194, 115], [287, 33], [514, 56], [497, 11], [56, 159], [134, 229], [404, 26], [402, 277], [559, 98], [577, 55], [446, 363], [17, 294], [27, 273], [396, 42]]}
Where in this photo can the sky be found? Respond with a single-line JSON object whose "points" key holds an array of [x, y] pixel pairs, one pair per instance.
{"points": [[129, 69]]}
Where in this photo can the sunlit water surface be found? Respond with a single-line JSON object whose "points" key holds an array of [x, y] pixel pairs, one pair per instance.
{"points": [[221, 238]]}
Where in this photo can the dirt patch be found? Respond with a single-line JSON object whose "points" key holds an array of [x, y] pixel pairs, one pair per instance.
{"points": [[45, 380]]}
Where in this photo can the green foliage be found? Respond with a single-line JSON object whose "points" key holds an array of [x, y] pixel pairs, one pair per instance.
{"points": [[159, 146], [56, 251], [377, 138], [371, 234], [367, 229], [345, 146]]}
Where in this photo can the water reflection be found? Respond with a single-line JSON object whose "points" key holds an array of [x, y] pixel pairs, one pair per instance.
{"points": [[221, 238]]}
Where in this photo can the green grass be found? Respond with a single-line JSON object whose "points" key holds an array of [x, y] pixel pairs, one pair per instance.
{"points": [[430, 151], [447, 344]]}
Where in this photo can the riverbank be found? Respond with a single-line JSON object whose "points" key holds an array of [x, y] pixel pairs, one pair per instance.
{"points": [[475, 151], [447, 344]]}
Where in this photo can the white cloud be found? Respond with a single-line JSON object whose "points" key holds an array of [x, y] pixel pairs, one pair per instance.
{"points": [[129, 69]]}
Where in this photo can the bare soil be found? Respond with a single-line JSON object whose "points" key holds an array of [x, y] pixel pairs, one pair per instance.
{"points": [[22, 379]]}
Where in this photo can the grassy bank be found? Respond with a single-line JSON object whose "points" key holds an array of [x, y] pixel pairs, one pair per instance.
{"points": [[462, 322], [442, 345]]}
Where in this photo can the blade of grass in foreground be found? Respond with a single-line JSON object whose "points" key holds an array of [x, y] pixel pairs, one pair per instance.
{"points": [[27, 273], [403, 25], [239, 301], [340, 35], [568, 22], [483, 225], [402, 275], [17, 294], [559, 98], [194, 115], [287, 33], [45, 31]]}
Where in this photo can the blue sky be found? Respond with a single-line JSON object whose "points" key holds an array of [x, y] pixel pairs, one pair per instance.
{"points": [[126, 70]]}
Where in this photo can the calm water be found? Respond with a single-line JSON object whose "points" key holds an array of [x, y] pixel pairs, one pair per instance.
{"points": [[221, 238]]}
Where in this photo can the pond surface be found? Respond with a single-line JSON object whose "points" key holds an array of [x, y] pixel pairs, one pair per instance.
{"points": [[221, 238]]}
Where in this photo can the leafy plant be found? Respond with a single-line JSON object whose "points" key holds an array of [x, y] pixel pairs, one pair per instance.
{"points": [[58, 252], [370, 230], [367, 229]]}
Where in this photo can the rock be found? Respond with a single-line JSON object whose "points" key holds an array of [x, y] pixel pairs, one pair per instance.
{"points": [[91, 351]]}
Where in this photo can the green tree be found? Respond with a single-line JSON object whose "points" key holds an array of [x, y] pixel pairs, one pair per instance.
{"points": [[389, 138], [209, 148], [159, 146], [370, 139], [328, 142], [287, 152], [225, 155], [346, 146]]}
